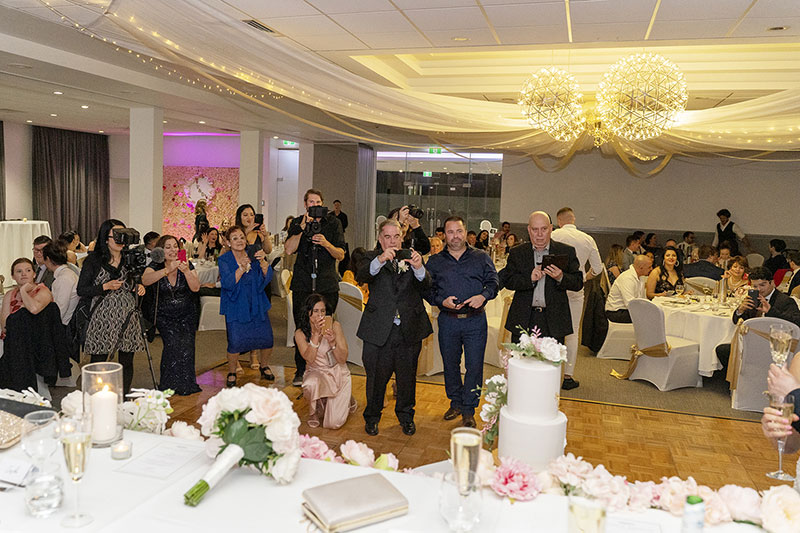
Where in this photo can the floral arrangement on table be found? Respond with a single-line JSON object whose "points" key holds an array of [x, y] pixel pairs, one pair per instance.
{"points": [[495, 395], [28, 396], [147, 410], [533, 345], [250, 426], [353, 453]]}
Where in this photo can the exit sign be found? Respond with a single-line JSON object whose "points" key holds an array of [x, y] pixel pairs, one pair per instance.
{"points": [[289, 143], [434, 150], [427, 174]]}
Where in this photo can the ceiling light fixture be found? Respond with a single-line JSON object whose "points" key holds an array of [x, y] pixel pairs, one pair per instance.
{"points": [[29, 121], [100, 131], [778, 28], [551, 99], [163, 121], [84, 107], [20, 65], [53, 115], [201, 121], [274, 136], [57, 92], [460, 39]]}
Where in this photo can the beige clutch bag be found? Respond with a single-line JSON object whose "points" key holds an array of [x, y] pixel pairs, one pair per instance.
{"points": [[10, 429], [353, 503]]}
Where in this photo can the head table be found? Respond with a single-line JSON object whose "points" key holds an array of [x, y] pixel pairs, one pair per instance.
{"points": [[136, 501]]}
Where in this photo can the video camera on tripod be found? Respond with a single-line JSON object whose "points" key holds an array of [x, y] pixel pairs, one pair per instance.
{"points": [[134, 259], [316, 212]]}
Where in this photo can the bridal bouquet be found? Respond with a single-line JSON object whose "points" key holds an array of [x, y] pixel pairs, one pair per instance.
{"points": [[253, 426], [535, 346]]}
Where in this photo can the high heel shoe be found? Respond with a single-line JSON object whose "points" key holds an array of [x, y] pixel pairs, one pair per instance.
{"points": [[230, 381], [267, 374]]}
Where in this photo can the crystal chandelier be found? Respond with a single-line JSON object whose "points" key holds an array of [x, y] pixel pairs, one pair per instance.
{"points": [[641, 96], [552, 101], [595, 128]]}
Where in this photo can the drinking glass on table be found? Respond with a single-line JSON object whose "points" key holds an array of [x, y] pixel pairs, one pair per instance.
{"points": [[679, 289], [76, 439], [780, 340], [784, 404], [40, 435], [459, 504], [465, 452]]}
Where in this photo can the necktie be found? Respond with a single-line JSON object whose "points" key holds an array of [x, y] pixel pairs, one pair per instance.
{"points": [[395, 266]]}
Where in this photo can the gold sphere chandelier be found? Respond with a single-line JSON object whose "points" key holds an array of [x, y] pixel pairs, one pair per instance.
{"points": [[641, 96], [551, 99]]}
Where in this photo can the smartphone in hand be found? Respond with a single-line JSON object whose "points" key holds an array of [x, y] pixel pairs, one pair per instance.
{"points": [[753, 295], [403, 253], [182, 256], [327, 323], [259, 220]]}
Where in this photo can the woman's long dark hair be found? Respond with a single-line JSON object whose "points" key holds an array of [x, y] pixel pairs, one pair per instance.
{"points": [[101, 244], [305, 322], [662, 272], [356, 256], [239, 212]]}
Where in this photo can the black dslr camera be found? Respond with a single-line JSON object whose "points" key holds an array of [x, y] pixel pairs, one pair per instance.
{"points": [[415, 212], [134, 259], [315, 226]]}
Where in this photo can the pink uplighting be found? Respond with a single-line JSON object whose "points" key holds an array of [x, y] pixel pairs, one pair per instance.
{"points": [[198, 134]]}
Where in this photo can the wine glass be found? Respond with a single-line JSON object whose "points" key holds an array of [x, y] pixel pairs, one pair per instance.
{"points": [[780, 340], [784, 404], [461, 509], [679, 289], [39, 435], [76, 439]]}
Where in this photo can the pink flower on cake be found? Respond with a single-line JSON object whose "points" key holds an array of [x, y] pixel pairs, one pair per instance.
{"points": [[743, 503], [515, 479], [671, 493], [641, 495], [613, 491], [357, 453], [315, 448], [716, 510], [780, 510], [570, 470]]}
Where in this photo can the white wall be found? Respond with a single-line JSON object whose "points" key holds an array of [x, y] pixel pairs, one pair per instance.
{"points": [[119, 169], [286, 191], [762, 197], [19, 191]]}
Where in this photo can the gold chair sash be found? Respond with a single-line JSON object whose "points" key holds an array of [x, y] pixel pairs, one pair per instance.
{"points": [[659, 350], [735, 362], [352, 300]]}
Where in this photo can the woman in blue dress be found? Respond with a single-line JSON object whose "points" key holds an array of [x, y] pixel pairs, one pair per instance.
{"points": [[244, 274]]}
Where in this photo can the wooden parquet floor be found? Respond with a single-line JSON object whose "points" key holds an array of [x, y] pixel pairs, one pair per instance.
{"points": [[642, 444]]}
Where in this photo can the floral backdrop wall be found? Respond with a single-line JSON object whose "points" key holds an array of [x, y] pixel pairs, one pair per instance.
{"points": [[185, 186]]}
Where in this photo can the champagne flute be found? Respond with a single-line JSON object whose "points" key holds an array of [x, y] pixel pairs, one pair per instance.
{"points": [[465, 451], [39, 439], [76, 439], [784, 404], [679, 288], [780, 340]]}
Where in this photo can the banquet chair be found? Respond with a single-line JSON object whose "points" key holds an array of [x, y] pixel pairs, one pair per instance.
{"points": [[619, 337], [755, 260], [497, 333], [700, 284], [348, 313], [782, 279], [210, 319], [751, 380], [286, 279], [485, 225], [676, 369]]}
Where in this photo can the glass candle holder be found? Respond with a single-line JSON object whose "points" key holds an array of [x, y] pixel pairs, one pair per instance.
{"points": [[102, 398]]}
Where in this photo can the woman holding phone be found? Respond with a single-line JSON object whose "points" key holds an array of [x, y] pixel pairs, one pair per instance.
{"points": [[175, 315], [253, 225], [326, 381]]}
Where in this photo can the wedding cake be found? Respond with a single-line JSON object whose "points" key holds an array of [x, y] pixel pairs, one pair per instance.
{"points": [[532, 429]]}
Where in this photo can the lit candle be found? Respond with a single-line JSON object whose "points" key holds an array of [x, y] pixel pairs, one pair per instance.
{"points": [[104, 415], [121, 450]]}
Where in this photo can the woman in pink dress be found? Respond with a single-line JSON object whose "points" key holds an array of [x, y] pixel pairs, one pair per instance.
{"points": [[326, 382]]}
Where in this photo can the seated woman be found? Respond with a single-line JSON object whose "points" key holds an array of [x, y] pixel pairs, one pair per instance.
{"points": [[349, 275], [210, 246], [511, 241], [482, 243], [736, 280], [436, 245], [326, 382], [35, 342], [663, 279], [613, 262], [781, 382]]}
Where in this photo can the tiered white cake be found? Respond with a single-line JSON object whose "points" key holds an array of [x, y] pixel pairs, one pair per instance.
{"points": [[532, 429]]}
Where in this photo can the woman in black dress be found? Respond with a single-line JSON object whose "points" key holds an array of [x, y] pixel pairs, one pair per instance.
{"points": [[664, 278], [176, 285], [113, 324]]}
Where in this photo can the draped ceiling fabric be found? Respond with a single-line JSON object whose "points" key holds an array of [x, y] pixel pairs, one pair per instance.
{"points": [[203, 36]]}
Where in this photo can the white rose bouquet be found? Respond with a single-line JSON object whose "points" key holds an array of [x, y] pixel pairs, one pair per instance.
{"points": [[254, 426], [533, 345]]}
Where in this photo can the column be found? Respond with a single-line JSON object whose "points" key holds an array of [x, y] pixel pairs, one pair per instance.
{"points": [[251, 163], [146, 169]]}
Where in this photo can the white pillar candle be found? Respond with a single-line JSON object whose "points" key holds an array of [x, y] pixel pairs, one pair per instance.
{"points": [[104, 415]]}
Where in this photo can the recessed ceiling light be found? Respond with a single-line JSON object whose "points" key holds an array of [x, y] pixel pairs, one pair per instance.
{"points": [[460, 39], [163, 121], [29, 121], [274, 136], [84, 107], [57, 92], [778, 28], [53, 115], [201, 121], [19, 65], [100, 131]]}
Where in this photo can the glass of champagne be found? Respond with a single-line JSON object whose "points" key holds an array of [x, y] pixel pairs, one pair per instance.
{"points": [[465, 451], [76, 439], [784, 404], [39, 435], [461, 510], [679, 288], [780, 340]]}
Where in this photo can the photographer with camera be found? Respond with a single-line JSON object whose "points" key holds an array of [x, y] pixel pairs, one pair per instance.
{"points": [[108, 284], [411, 231], [318, 240]]}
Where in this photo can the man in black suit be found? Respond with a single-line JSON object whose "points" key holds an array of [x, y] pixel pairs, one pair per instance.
{"points": [[705, 267], [794, 264], [540, 297], [393, 325]]}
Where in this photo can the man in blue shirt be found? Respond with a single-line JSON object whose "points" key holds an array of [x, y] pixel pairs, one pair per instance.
{"points": [[463, 280]]}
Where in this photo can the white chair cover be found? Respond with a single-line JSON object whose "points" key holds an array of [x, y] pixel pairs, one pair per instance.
{"points": [[756, 358], [618, 342], [692, 284], [485, 225], [680, 368], [350, 317], [210, 319], [755, 260]]}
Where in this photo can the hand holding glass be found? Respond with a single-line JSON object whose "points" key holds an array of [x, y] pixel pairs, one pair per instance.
{"points": [[780, 340], [784, 404]]}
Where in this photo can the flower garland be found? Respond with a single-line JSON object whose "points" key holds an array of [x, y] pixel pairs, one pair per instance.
{"points": [[353, 453], [533, 345], [495, 397]]}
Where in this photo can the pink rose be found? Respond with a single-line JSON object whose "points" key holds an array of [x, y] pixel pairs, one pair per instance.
{"points": [[357, 453], [315, 448], [570, 470], [672, 493], [612, 491], [716, 510], [642, 494], [743, 503], [780, 510], [515, 479]]}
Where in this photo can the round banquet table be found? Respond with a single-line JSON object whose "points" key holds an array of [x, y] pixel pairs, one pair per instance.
{"points": [[700, 324], [17, 237], [207, 271]]}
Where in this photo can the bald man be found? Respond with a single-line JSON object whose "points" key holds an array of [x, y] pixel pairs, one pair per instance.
{"points": [[540, 297]]}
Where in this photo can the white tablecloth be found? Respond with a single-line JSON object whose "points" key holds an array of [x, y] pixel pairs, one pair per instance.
{"points": [[207, 272], [16, 240], [245, 501], [705, 327]]}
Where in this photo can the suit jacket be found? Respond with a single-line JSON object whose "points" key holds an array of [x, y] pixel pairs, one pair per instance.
{"points": [[517, 277], [389, 292], [794, 282], [704, 269], [780, 306]]}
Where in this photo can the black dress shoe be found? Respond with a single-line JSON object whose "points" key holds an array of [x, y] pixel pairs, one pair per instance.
{"points": [[468, 421], [371, 428], [409, 428], [569, 384], [452, 413]]}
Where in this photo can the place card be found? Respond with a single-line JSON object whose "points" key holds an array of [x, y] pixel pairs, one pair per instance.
{"points": [[13, 471], [164, 459], [617, 524]]}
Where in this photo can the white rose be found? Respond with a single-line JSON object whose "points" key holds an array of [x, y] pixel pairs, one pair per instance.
{"points": [[208, 419], [284, 469], [233, 399], [357, 453], [266, 404], [213, 445], [283, 427], [525, 340], [72, 404], [182, 430], [286, 446], [744, 503], [552, 350], [780, 510]]}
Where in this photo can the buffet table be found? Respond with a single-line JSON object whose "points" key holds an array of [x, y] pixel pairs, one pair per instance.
{"points": [[136, 501], [17, 238]]}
